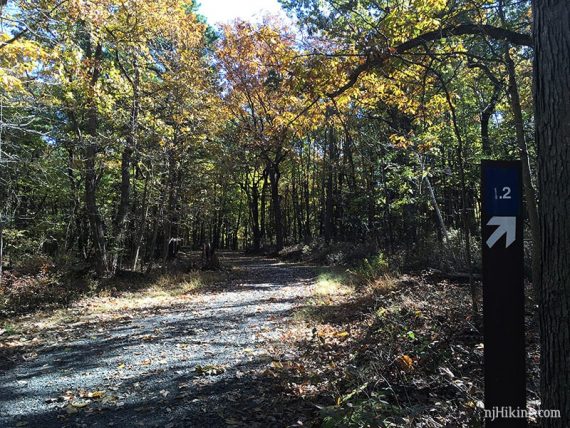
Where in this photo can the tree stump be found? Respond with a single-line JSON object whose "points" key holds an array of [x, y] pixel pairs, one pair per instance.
{"points": [[209, 258]]}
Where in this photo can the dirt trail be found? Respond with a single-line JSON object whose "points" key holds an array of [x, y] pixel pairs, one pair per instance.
{"points": [[197, 363]]}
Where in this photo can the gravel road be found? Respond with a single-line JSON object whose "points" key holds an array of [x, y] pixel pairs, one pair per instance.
{"points": [[196, 364]]}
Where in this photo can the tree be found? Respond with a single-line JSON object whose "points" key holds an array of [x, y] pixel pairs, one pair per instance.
{"points": [[263, 78], [105, 83], [552, 118]]}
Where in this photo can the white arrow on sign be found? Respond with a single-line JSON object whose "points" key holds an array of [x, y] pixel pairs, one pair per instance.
{"points": [[506, 226]]}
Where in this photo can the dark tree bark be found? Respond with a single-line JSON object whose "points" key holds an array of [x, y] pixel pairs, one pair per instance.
{"points": [[91, 179], [263, 216], [252, 193], [297, 209], [329, 196], [307, 226], [173, 183], [274, 177], [489, 109], [141, 224], [307, 198], [75, 233], [1, 250], [255, 227], [552, 121], [121, 220], [371, 202]]}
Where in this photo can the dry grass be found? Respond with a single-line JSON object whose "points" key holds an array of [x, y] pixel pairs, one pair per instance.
{"points": [[330, 284], [165, 290], [381, 285], [336, 288], [111, 303]]}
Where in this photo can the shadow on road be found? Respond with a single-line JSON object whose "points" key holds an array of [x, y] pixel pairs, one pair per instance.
{"points": [[197, 363]]}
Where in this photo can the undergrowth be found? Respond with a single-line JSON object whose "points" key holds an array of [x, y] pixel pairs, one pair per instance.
{"points": [[37, 284], [394, 352]]}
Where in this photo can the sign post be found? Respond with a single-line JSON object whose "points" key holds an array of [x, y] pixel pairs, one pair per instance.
{"points": [[503, 294]]}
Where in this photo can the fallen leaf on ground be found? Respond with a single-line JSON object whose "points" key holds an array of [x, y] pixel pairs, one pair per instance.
{"points": [[406, 363], [96, 394], [210, 369]]}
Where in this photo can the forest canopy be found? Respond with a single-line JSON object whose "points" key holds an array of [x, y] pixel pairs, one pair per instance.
{"points": [[132, 129]]}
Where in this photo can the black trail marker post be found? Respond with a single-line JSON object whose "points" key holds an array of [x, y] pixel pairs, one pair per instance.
{"points": [[503, 293]]}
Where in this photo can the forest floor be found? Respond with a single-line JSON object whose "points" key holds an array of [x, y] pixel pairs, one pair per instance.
{"points": [[263, 343]]}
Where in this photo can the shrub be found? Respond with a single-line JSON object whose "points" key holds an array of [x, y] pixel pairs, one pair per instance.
{"points": [[33, 264], [448, 257], [373, 268], [20, 293]]}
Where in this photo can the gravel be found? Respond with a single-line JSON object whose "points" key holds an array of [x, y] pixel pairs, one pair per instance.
{"points": [[194, 364]]}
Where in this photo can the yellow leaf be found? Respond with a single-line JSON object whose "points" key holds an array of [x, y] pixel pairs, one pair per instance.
{"points": [[96, 394], [276, 364], [406, 363]]}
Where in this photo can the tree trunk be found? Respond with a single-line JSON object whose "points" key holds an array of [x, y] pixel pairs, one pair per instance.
{"points": [[126, 160], [95, 220], [274, 176], [329, 195], [74, 232], [297, 210], [307, 228], [254, 208], [435, 206], [387, 217], [371, 202], [307, 197], [489, 109], [263, 218], [142, 224], [528, 187], [151, 245], [121, 218], [552, 121], [486, 117], [171, 207], [91, 180], [1, 251]]}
